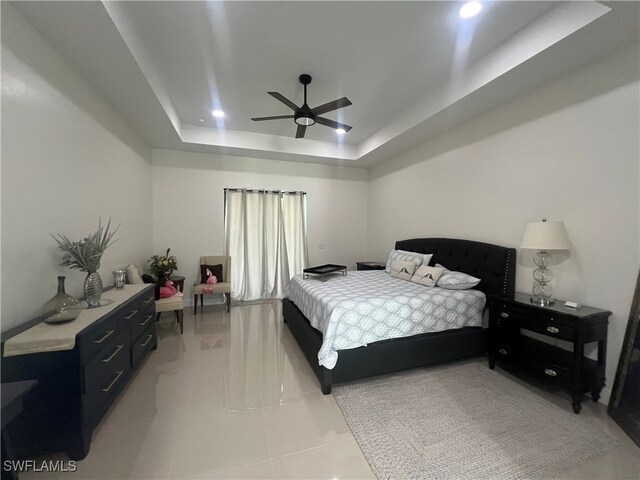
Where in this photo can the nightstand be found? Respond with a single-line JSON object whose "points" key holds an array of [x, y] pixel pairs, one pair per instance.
{"points": [[509, 343], [370, 266]]}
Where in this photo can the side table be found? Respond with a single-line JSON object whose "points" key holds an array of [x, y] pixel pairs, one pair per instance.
{"points": [[370, 266], [572, 370]]}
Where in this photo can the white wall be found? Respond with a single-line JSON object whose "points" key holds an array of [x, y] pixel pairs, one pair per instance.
{"points": [[188, 205], [569, 151], [67, 160]]}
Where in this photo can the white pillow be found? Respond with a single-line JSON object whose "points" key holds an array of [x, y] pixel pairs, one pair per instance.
{"points": [[402, 269], [427, 276], [133, 276], [426, 257], [456, 280], [416, 258]]}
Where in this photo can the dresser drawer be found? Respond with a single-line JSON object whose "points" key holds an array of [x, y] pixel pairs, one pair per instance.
{"points": [[96, 338], [143, 344], [110, 381], [148, 301], [130, 313], [141, 323], [543, 323], [101, 366]]}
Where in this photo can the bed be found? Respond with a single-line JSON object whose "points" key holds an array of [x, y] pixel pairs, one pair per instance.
{"points": [[493, 264]]}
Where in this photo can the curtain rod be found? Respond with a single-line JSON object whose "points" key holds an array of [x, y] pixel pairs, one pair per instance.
{"points": [[260, 190]]}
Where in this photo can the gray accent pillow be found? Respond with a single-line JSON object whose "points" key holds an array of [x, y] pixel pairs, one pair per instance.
{"points": [[415, 258], [402, 269], [452, 280], [427, 276]]}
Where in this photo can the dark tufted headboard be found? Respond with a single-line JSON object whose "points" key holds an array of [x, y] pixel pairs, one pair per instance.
{"points": [[495, 265]]}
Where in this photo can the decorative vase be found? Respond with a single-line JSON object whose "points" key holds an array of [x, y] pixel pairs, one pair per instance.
{"points": [[93, 289], [60, 307], [119, 278]]}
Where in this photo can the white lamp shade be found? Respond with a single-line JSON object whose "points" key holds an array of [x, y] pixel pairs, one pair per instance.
{"points": [[545, 236]]}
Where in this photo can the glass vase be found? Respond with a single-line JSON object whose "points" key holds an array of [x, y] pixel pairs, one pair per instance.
{"points": [[93, 289], [60, 302]]}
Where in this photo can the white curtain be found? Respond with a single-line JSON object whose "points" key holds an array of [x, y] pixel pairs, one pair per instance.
{"points": [[266, 237]]}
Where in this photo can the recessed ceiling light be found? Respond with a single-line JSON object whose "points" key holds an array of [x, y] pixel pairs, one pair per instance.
{"points": [[340, 131], [217, 113], [201, 120], [470, 9]]}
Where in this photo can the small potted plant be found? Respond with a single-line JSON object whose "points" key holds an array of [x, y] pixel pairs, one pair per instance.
{"points": [[85, 255], [162, 266]]}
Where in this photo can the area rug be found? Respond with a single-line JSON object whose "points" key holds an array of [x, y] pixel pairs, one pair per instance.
{"points": [[464, 421]]}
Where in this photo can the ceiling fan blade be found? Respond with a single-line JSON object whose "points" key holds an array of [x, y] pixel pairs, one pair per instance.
{"points": [[332, 124], [335, 105], [300, 131], [284, 100], [259, 119]]}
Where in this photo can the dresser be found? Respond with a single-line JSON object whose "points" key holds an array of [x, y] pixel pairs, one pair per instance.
{"points": [[79, 373], [527, 337]]}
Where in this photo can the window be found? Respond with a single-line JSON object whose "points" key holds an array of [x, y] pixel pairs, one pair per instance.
{"points": [[266, 237]]}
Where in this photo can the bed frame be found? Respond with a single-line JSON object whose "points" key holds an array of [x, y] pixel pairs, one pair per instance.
{"points": [[493, 264]]}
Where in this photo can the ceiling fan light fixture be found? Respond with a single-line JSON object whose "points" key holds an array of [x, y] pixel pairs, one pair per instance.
{"points": [[304, 116], [305, 119]]}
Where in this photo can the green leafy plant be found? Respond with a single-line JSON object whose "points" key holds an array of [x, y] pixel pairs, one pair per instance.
{"points": [[163, 265], [85, 255]]}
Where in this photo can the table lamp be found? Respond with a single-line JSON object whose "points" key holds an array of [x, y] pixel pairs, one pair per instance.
{"points": [[544, 236]]}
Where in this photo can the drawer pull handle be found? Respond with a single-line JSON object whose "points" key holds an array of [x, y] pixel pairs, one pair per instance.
{"points": [[107, 335], [146, 320], [149, 300], [503, 351], [118, 348], [131, 314], [120, 372], [149, 337], [504, 315], [551, 373], [552, 329]]}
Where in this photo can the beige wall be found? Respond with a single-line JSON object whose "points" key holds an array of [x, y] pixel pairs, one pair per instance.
{"points": [[567, 152], [67, 160], [188, 205]]}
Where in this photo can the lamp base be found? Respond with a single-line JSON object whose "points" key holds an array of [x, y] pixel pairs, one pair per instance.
{"points": [[542, 301]]}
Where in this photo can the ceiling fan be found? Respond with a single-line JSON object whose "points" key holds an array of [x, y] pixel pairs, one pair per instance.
{"points": [[305, 116]]}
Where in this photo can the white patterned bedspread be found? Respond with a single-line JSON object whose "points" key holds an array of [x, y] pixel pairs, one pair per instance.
{"points": [[369, 306]]}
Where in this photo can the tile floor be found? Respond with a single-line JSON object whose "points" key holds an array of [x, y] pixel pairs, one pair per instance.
{"points": [[234, 398]]}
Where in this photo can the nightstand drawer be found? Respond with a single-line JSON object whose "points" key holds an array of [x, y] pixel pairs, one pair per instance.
{"points": [[554, 374], [544, 323], [555, 371]]}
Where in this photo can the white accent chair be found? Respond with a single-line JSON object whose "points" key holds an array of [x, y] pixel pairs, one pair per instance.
{"points": [[220, 287], [171, 304]]}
